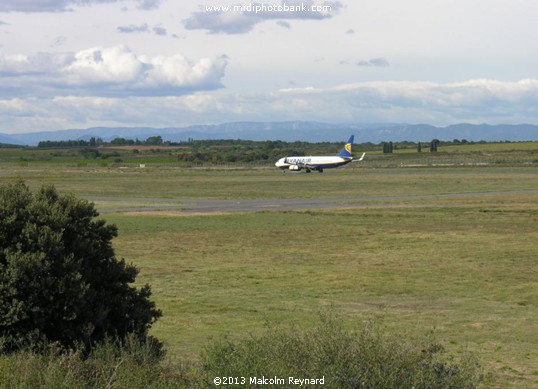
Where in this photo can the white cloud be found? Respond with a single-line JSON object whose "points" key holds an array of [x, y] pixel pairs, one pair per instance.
{"points": [[104, 65], [375, 62], [64, 5], [133, 28], [34, 5], [65, 63], [159, 30], [142, 28], [474, 101], [18, 64], [149, 4], [241, 18], [107, 71], [177, 71], [221, 22]]}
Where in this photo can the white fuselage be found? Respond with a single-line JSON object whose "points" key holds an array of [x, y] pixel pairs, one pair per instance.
{"points": [[314, 163], [318, 163]]}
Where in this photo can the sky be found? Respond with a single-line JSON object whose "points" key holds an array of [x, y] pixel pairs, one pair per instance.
{"points": [[68, 64]]}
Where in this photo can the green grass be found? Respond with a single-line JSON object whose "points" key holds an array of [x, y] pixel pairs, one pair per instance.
{"points": [[270, 183], [262, 154], [493, 147], [466, 271], [463, 267]]}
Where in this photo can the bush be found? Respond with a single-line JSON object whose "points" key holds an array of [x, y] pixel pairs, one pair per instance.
{"points": [[127, 363], [59, 278], [367, 358]]}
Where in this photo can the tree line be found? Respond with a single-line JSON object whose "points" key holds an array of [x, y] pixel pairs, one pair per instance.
{"points": [[223, 151], [157, 140], [98, 142]]}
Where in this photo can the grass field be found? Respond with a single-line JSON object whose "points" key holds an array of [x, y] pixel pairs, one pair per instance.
{"points": [[461, 267], [264, 154]]}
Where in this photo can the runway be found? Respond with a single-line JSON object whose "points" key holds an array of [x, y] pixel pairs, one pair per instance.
{"points": [[205, 206]]}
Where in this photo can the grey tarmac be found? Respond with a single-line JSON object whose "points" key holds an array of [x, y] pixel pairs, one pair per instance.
{"points": [[208, 206]]}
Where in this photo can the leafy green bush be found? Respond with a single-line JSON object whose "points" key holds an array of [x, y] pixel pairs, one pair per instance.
{"points": [[59, 278]]}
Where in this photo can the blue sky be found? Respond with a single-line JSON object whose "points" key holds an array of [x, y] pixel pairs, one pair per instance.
{"points": [[163, 63]]}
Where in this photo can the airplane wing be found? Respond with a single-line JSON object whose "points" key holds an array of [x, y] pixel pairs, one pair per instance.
{"points": [[360, 159]]}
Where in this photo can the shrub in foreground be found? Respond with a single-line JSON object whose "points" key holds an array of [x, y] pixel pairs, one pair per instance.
{"points": [[60, 280], [126, 363], [367, 358], [364, 358]]}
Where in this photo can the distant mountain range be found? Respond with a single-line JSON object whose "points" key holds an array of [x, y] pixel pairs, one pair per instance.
{"points": [[291, 131]]}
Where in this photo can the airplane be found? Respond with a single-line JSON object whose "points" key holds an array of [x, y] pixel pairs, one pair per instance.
{"points": [[319, 163]]}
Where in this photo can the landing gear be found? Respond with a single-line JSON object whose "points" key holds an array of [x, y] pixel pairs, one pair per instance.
{"points": [[320, 170]]}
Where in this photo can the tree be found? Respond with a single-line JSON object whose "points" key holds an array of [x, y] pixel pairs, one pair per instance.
{"points": [[119, 141], [154, 140], [59, 277], [388, 147]]}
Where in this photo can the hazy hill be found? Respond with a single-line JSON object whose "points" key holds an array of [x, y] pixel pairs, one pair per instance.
{"points": [[8, 139], [291, 131]]}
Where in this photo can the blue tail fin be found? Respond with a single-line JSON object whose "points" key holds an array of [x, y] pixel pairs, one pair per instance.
{"points": [[346, 151]]}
